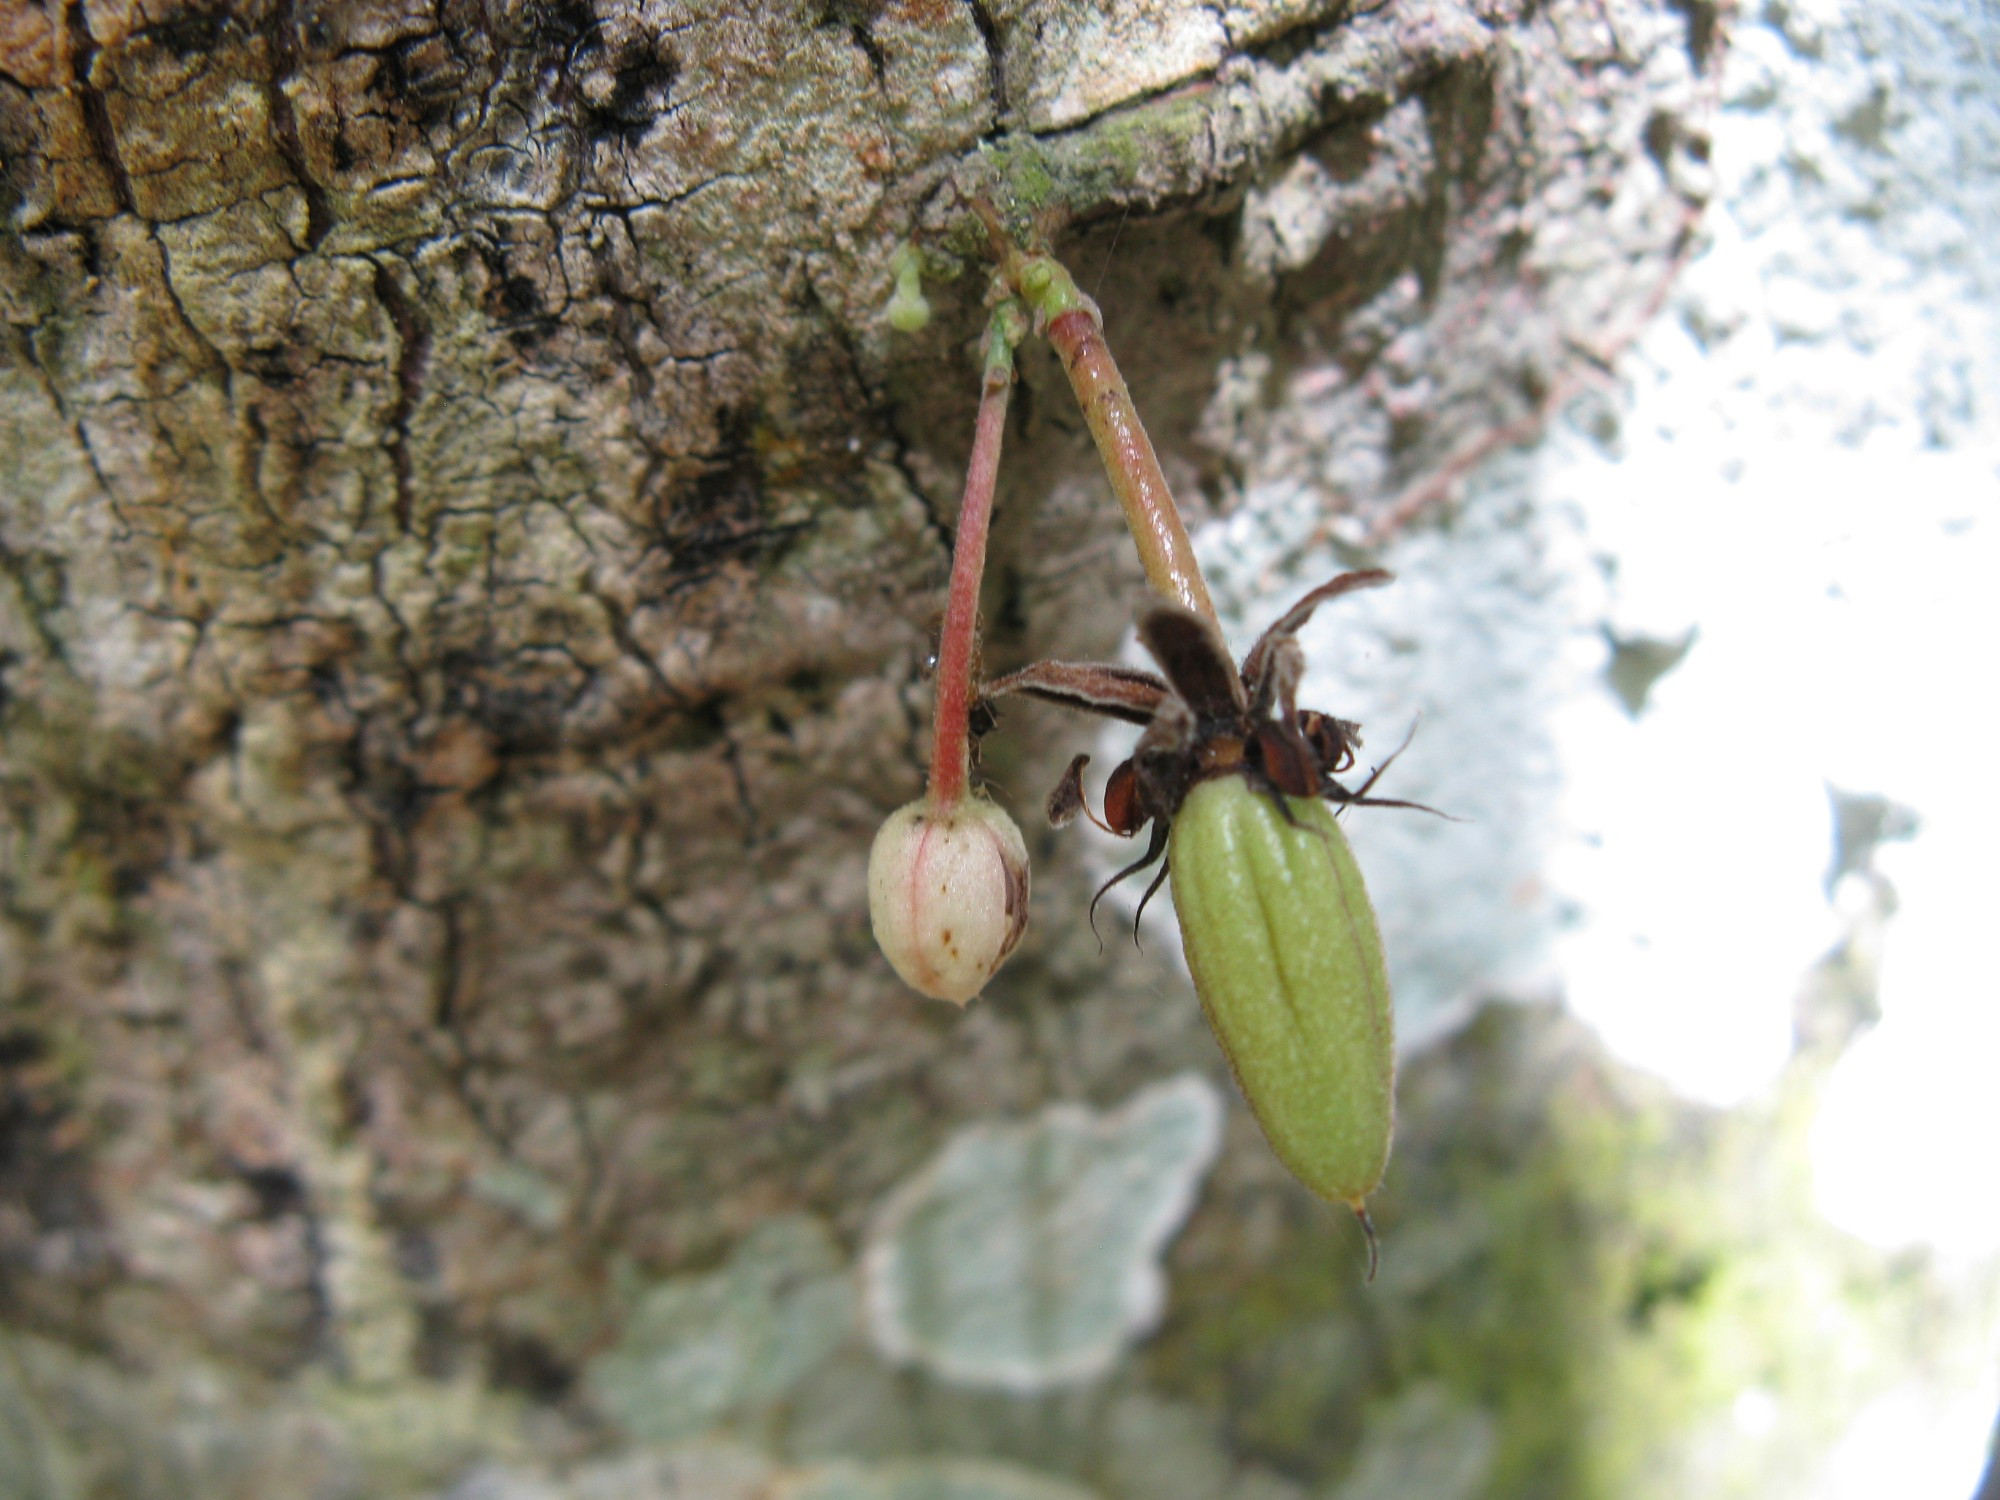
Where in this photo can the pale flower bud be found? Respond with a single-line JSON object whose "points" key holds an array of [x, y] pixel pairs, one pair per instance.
{"points": [[948, 894]]}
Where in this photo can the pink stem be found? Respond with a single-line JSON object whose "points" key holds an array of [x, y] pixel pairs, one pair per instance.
{"points": [[950, 748], [1070, 321], [1129, 460]]}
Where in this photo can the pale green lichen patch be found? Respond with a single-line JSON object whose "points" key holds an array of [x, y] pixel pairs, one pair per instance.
{"points": [[1152, 150], [1164, 1450], [695, 1471], [1024, 1255], [75, 1426], [928, 1479], [521, 1191], [719, 1471], [697, 1349], [1425, 1442], [32, 1463]]}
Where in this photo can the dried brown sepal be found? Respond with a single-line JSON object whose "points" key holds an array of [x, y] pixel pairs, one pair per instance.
{"points": [[1293, 620], [1206, 718], [1131, 694], [1066, 801]]}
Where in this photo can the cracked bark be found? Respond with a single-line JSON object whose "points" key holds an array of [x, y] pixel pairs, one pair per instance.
{"points": [[469, 544]]}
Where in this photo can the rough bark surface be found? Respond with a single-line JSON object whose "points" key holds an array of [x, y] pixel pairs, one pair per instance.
{"points": [[468, 546]]}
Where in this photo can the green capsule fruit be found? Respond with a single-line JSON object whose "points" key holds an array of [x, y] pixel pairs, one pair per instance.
{"points": [[1287, 960]]}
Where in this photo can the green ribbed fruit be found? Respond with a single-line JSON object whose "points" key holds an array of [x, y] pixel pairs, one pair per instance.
{"points": [[1287, 960]]}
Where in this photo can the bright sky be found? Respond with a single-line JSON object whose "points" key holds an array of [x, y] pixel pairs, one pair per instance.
{"points": [[1795, 496]]}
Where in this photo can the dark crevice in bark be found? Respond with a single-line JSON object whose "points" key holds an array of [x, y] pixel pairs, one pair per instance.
{"points": [[996, 67], [746, 805], [625, 339], [878, 60], [641, 94], [857, 18], [450, 979], [940, 523], [214, 366], [284, 40], [445, 1049], [15, 569], [96, 115], [721, 522], [620, 626], [524, 1363], [46, 1180], [413, 350]]}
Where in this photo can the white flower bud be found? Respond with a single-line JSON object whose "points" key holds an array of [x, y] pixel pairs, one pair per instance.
{"points": [[948, 894]]}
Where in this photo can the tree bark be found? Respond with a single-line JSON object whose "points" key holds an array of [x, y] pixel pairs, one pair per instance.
{"points": [[468, 550]]}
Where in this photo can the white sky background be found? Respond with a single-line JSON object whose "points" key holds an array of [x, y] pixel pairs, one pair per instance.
{"points": [[1814, 484], [1809, 475]]}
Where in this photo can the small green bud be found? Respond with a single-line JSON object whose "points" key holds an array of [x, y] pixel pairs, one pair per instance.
{"points": [[908, 311], [1287, 960], [948, 894]]}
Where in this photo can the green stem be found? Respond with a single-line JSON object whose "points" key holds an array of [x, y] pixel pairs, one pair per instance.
{"points": [[950, 748], [1070, 321]]}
